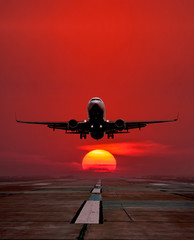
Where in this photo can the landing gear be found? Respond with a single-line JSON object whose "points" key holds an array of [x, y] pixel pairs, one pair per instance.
{"points": [[82, 135], [110, 135]]}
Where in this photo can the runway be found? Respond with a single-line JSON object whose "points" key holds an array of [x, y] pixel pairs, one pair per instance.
{"points": [[96, 209]]}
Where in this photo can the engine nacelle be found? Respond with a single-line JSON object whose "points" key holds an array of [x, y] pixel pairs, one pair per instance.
{"points": [[72, 124], [120, 124]]}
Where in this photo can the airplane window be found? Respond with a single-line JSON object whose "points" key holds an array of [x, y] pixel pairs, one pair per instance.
{"points": [[94, 99]]}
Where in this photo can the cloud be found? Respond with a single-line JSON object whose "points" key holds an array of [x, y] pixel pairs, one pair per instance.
{"points": [[76, 165], [131, 148]]}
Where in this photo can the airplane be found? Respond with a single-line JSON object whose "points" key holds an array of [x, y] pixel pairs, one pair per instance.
{"points": [[97, 125]]}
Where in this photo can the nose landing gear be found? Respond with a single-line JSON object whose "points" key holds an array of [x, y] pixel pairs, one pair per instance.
{"points": [[82, 135], [110, 135]]}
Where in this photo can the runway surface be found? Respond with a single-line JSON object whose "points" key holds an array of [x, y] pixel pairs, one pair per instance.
{"points": [[93, 209]]}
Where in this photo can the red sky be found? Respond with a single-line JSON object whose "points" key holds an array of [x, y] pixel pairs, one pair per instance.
{"points": [[136, 55]]}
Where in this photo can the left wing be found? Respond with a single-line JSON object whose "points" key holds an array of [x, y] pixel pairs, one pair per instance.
{"points": [[54, 125], [72, 126]]}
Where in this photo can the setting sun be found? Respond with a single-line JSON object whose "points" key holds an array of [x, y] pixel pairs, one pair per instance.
{"points": [[99, 161]]}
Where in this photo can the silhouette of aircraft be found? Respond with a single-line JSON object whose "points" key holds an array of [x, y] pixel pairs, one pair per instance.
{"points": [[96, 125]]}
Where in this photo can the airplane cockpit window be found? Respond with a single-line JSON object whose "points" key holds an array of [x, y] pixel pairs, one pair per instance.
{"points": [[94, 99]]}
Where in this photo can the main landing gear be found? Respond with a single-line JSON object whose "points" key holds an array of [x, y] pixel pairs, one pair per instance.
{"points": [[82, 135], [110, 135]]}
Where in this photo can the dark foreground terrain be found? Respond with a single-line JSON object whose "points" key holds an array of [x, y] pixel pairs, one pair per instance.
{"points": [[92, 209]]}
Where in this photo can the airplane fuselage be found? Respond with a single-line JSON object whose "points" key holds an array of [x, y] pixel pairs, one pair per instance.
{"points": [[96, 117]]}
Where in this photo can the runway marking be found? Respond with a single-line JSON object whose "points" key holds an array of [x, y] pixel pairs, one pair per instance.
{"points": [[96, 190], [90, 213], [98, 185], [78, 212]]}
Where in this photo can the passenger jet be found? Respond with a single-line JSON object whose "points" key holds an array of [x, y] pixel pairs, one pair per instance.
{"points": [[97, 125]]}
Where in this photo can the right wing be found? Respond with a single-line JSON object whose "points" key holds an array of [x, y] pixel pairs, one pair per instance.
{"points": [[121, 126], [140, 124]]}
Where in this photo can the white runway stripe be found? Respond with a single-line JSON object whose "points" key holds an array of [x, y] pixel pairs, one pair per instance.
{"points": [[90, 213], [96, 190]]}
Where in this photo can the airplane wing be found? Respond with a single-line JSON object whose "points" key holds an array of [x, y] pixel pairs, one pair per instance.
{"points": [[54, 125], [72, 126], [121, 126], [140, 124]]}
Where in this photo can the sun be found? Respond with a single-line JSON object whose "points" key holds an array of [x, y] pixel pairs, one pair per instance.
{"points": [[99, 161]]}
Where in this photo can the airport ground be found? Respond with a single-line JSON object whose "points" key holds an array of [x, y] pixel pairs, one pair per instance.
{"points": [[92, 209]]}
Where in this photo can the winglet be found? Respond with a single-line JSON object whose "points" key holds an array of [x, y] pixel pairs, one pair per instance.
{"points": [[177, 118]]}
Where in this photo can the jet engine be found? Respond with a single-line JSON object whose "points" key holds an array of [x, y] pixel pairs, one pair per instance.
{"points": [[120, 124], [72, 124]]}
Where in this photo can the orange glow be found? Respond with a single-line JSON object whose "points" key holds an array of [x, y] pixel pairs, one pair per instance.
{"points": [[132, 148], [99, 161]]}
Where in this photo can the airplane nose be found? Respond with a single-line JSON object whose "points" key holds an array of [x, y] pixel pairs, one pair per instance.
{"points": [[95, 106]]}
